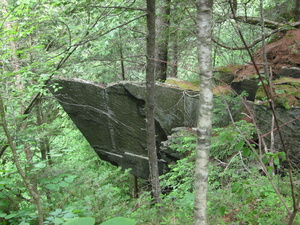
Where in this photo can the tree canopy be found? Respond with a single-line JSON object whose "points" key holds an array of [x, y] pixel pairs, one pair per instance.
{"points": [[44, 159]]}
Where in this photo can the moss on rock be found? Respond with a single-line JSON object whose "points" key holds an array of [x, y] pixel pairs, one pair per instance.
{"points": [[286, 93]]}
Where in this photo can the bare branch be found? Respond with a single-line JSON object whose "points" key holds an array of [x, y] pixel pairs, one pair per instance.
{"points": [[255, 42], [108, 31], [119, 7]]}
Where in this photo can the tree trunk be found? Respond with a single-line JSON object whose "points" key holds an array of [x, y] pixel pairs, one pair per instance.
{"points": [[163, 24], [150, 76], [174, 67], [233, 6], [204, 124], [121, 56]]}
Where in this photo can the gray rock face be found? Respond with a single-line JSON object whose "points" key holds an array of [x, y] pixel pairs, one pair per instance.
{"points": [[289, 121], [248, 85], [293, 72], [112, 118]]}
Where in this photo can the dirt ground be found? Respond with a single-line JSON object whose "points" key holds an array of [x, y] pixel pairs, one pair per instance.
{"points": [[284, 50]]}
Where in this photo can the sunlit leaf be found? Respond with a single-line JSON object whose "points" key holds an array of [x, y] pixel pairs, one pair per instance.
{"points": [[53, 187], [118, 221], [63, 184], [81, 221]]}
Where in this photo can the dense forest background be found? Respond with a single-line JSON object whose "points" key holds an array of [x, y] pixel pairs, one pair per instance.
{"points": [[47, 167]]}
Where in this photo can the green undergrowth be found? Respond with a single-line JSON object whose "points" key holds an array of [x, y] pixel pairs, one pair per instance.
{"points": [[238, 193], [80, 187]]}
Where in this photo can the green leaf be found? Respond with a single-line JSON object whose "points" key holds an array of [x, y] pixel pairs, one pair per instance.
{"points": [[222, 210], [24, 223], [57, 221], [246, 152], [56, 212], [265, 160], [224, 137], [5, 181], [78, 211], [39, 166], [70, 179], [81, 221], [118, 221], [276, 161], [279, 91], [283, 156], [236, 187], [10, 216], [53, 187], [3, 215], [69, 215], [63, 184], [270, 169], [240, 145]]}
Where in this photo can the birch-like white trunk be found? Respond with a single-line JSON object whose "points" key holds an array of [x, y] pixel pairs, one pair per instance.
{"points": [[204, 124]]}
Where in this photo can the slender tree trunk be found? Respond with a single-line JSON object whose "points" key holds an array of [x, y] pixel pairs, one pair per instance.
{"points": [[44, 142], [233, 5], [204, 124], [163, 24], [150, 76], [31, 187], [122, 57], [174, 67], [136, 187]]}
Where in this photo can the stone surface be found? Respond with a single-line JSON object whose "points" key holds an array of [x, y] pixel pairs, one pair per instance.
{"points": [[286, 93], [293, 72], [112, 118], [248, 84], [289, 121], [223, 77]]}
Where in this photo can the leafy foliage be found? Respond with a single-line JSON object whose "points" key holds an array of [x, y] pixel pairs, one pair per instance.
{"points": [[227, 106], [227, 141], [119, 220], [90, 39]]}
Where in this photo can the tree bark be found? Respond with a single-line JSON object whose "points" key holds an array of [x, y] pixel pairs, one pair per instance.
{"points": [[120, 46], [175, 52], [150, 85], [163, 25], [267, 23], [204, 124]]}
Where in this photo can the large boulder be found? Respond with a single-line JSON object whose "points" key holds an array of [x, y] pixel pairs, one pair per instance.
{"points": [[112, 118], [247, 85], [285, 93], [289, 122], [293, 72]]}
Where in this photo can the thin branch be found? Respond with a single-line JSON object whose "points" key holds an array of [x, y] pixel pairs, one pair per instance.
{"points": [[258, 40], [119, 7], [255, 42], [13, 148], [267, 23], [71, 49], [108, 31], [282, 125], [137, 31]]}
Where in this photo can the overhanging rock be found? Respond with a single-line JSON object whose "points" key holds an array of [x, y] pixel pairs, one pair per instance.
{"points": [[112, 118]]}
